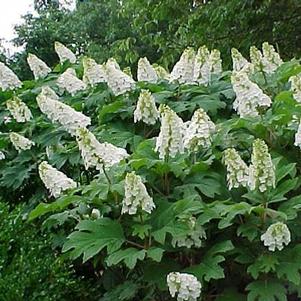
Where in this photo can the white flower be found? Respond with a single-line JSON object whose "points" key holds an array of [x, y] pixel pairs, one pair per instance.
{"points": [[146, 72], [95, 214], [63, 114], [7, 119], [239, 62], [199, 131], [20, 142], [8, 79], [261, 170], [18, 109], [296, 86], [161, 72], [96, 154], [207, 64], [298, 136], [118, 81], [146, 108], [256, 58], [276, 236], [249, 97], [183, 71], [271, 59], [136, 196], [37, 66], [185, 286], [48, 93], [54, 180], [64, 53], [113, 63], [69, 82], [237, 169], [171, 138], [193, 238], [93, 72], [2, 155]]}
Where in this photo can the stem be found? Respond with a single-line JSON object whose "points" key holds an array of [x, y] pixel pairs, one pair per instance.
{"points": [[135, 244], [106, 175]]}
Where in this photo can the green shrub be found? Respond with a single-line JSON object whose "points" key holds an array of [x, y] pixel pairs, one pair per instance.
{"points": [[169, 199]]}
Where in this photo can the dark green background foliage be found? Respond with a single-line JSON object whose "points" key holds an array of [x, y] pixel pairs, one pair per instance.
{"points": [[158, 29], [30, 269]]}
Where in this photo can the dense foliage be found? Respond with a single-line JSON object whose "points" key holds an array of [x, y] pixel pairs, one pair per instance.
{"points": [[157, 29], [201, 191]]}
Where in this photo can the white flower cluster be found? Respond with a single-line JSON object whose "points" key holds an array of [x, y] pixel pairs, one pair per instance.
{"points": [[118, 81], [161, 72], [69, 82], [183, 70], [298, 136], [59, 112], [96, 154], [296, 86], [18, 109], [112, 63], [93, 72], [146, 72], [267, 61], [170, 140], [20, 142], [2, 156], [239, 62], [146, 108], [207, 64], [237, 169], [276, 236], [185, 286], [199, 131], [262, 169], [249, 97], [8, 79], [64, 53], [193, 238], [54, 180], [37, 66], [136, 196]]}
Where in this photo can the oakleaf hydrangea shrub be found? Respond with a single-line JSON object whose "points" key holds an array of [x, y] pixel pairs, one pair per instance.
{"points": [[180, 185]]}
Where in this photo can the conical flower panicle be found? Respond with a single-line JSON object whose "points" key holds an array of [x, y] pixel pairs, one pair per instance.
{"points": [[63, 114], [183, 71], [146, 110], [296, 86], [54, 180], [69, 82], [199, 131], [146, 72], [47, 92], [64, 53], [271, 59], [118, 81], [171, 138], [8, 79], [93, 72], [161, 72], [237, 169], [276, 236], [239, 62], [193, 239], [18, 109], [262, 169], [256, 58], [185, 286], [19, 142], [249, 97], [37, 66], [136, 196], [96, 154], [215, 62]]}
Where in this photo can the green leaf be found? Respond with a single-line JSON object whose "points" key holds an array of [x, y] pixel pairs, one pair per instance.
{"points": [[263, 264], [128, 256], [155, 253], [266, 290], [93, 236]]}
